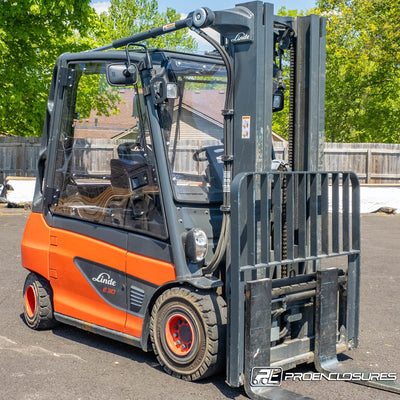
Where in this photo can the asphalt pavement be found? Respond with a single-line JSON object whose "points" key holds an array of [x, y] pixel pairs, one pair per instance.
{"points": [[67, 363]]}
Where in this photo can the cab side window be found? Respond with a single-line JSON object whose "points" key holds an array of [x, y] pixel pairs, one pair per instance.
{"points": [[105, 170]]}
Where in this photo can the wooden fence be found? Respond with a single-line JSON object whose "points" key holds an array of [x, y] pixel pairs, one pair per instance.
{"points": [[18, 156], [373, 163]]}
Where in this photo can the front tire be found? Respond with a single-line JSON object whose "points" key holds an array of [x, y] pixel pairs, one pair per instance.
{"points": [[38, 303], [187, 330]]}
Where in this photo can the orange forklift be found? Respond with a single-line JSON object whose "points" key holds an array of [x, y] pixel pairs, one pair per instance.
{"points": [[162, 219]]}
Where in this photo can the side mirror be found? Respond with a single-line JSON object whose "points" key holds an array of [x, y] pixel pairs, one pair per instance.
{"points": [[121, 75]]}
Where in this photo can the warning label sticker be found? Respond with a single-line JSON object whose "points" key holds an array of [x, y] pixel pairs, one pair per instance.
{"points": [[246, 127], [168, 27]]}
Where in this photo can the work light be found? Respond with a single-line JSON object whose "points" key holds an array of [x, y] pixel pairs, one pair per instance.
{"points": [[196, 245]]}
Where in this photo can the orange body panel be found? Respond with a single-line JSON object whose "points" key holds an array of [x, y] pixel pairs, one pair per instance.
{"points": [[149, 269], [50, 252], [35, 245], [73, 294], [133, 325]]}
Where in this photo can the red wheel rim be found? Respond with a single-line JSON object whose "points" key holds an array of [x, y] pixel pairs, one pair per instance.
{"points": [[30, 301], [179, 334]]}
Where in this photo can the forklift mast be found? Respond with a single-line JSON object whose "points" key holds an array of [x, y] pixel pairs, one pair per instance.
{"points": [[256, 36], [283, 237]]}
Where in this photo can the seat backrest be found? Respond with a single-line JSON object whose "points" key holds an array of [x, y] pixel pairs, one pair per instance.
{"points": [[129, 173]]}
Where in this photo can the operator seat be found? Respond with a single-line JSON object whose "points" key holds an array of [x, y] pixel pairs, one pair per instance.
{"points": [[130, 170]]}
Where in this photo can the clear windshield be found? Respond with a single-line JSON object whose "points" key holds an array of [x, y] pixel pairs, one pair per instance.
{"points": [[192, 126], [105, 170]]}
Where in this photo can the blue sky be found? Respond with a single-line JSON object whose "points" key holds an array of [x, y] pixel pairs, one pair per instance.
{"points": [[184, 6]]}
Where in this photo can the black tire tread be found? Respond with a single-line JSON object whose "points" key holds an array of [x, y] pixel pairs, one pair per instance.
{"points": [[44, 319], [212, 309]]}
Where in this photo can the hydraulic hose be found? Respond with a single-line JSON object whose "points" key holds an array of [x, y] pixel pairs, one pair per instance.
{"points": [[227, 176]]}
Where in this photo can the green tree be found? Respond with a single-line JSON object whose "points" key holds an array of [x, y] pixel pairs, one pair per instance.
{"points": [[32, 34], [363, 70], [126, 17]]}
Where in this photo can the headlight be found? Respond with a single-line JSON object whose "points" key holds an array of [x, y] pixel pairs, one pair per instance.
{"points": [[196, 245]]}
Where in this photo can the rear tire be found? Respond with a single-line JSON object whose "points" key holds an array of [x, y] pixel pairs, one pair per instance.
{"points": [[187, 330], [38, 303]]}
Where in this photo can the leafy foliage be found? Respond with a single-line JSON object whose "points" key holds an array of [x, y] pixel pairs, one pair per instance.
{"points": [[95, 94], [362, 73], [126, 17], [32, 34], [363, 70]]}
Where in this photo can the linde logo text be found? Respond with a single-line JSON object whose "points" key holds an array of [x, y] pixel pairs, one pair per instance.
{"points": [[105, 279]]}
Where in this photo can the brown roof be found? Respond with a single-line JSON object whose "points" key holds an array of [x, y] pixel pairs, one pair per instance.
{"points": [[207, 104], [106, 127]]}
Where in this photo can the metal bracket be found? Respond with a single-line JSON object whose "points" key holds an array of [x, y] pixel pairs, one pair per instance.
{"points": [[225, 209], [227, 158], [67, 76], [236, 24], [203, 282], [227, 112], [258, 341]]}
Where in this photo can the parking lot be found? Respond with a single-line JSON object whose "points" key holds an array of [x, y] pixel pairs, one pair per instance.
{"points": [[67, 363]]}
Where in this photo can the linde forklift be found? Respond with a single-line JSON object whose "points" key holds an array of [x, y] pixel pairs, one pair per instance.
{"points": [[161, 218]]}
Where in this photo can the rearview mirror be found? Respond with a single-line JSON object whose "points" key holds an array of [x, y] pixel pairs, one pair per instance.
{"points": [[121, 75]]}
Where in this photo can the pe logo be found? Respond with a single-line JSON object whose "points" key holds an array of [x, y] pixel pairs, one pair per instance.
{"points": [[266, 376]]}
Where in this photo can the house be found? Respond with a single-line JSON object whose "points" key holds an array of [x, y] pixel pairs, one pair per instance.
{"points": [[199, 114]]}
